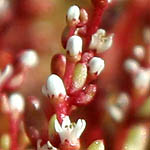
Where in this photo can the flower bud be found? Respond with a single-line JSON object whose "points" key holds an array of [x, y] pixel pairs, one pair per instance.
{"points": [[73, 14], [57, 61], [55, 86], [83, 16], [144, 110], [142, 81], [16, 102], [96, 65], [97, 145], [131, 66], [51, 128], [74, 45], [5, 142], [29, 58], [139, 52], [79, 76], [133, 139]]}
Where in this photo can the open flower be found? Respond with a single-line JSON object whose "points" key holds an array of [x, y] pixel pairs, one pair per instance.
{"points": [[100, 41], [47, 146], [70, 132]]}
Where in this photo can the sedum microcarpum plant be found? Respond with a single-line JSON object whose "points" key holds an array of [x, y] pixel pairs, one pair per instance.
{"points": [[97, 95]]}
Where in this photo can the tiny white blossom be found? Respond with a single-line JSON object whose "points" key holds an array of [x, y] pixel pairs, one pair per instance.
{"points": [[73, 13], [116, 113], [139, 52], [29, 58], [54, 86], [100, 41], [96, 65], [16, 102], [142, 79], [6, 74], [131, 65], [70, 131], [47, 146], [123, 100], [74, 45]]}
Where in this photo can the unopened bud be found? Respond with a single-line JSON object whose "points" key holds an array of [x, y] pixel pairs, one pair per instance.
{"points": [[5, 142], [73, 14], [133, 139], [29, 58], [96, 65], [139, 52], [57, 61], [79, 76], [83, 16], [131, 66], [16, 102], [142, 80], [51, 127], [74, 45], [55, 86], [97, 145]]}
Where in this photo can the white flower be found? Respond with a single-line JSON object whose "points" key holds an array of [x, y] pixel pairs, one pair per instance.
{"points": [[100, 41], [142, 79], [29, 58], [54, 86], [70, 131], [139, 52], [16, 102], [6, 74], [47, 146], [74, 45], [115, 112], [96, 65], [131, 66], [73, 13]]}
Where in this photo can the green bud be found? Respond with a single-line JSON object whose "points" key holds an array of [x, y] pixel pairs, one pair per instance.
{"points": [[79, 76], [51, 126], [5, 142], [144, 110], [97, 145], [137, 138]]}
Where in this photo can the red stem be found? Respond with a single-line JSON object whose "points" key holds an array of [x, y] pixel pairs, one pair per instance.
{"points": [[68, 74], [94, 23], [14, 128]]}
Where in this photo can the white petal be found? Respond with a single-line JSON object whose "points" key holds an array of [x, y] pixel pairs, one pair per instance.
{"points": [[106, 44], [79, 128], [66, 122], [57, 126], [74, 45], [73, 13], [55, 86], [96, 65]]}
